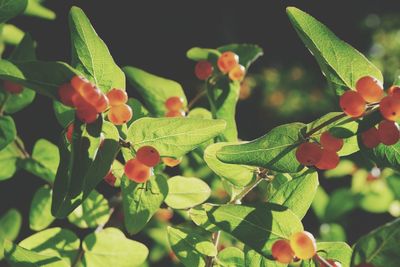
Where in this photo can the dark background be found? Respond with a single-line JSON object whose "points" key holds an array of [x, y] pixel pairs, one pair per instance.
{"points": [[155, 35]]}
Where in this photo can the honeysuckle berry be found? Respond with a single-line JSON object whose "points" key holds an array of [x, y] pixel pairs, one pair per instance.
{"points": [[66, 93], [174, 103], [12, 87], [119, 115], [171, 162], [388, 132], [89, 92], [69, 132], [78, 82], [175, 113], [309, 154], [390, 108], [304, 245], [148, 155], [137, 171], [352, 104], [370, 138], [328, 141], [117, 97], [237, 73], [203, 70], [87, 114], [227, 61], [329, 160], [370, 89], [394, 91], [101, 104], [282, 252]]}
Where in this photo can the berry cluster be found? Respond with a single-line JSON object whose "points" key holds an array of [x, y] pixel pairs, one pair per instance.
{"points": [[174, 106], [324, 156], [12, 88], [228, 63], [119, 112], [139, 169]]}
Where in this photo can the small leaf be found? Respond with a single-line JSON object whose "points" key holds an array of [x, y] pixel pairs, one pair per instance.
{"points": [[11, 8], [64, 115], [385, 156], [10, 225], [35, 9], [8, 161], [25, 51], [186, 192], [198, 53], [11, 34], [40, 213], [199, 216], [320, 203], [138, 110], [7, 131], [337, 251], [231, 257], [248, 53], [341, 202]]}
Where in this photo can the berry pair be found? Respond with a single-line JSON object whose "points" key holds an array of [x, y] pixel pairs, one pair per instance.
{"points": [[387, 133], [12, 88], [119, 112], [301, 245], [174, 106], [139, 169]]}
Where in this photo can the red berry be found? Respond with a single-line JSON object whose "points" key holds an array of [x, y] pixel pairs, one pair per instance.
{"points": [[309, 154], [12, 87], [119, 115], [117, 97], [78, 101], [227, 61], [388, 132], [370, 89], [330, 142], [110, 178], [174, 103], [101, 104], [78, 82], [203, 70], [303, 244], [87, 114], [237, 73], [148, 155], [69, 133], [390, 108], [66, 93], [90, 93], [171, 162], [352, 104], [394, 91], [370, 138], [173, 113], [328, 161], [282, 252], [137, 171]]}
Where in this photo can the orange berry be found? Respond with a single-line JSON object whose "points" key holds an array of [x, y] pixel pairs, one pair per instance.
{"points": [[173, 113], [282, 252], [90, 93], [164, 215], [388, 132], [352, 104], [78, 101], [66, 92], [203, 70], [87, 114], [137, 171], [390, 108], [171, 162], [119, 115], [174, 103], [110, 178], [309, 154], [330, 142], [101, 104], [69, 133], [370, 89], [12, 87], [394, 91], [78, 82], [227, 61], [329, 160], [304, 245], [148, 155], [117, 97], [237, 73], [370, 138]]}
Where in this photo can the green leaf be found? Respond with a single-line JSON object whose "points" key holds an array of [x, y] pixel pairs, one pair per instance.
{"points": [[380, 247], [141, 201], [110, 247], [332, 232], [199, 216], [254, 259], [337, 251], [54, 242], [94, 211], [35, 9], [274, 151], [198, 54], [340, 203], [385, 156], [376, 197], [10, 225], [394, 184], [320, 203], [154, 90], [90, 54], [248, 53], [11, 8], [186, 192], [231, 257], [64, 114], [173, 137], [190, 246], [11, 34], [25, 51], [138, 110], [297, 194], [257, 226], [340, 63], [8, 161], [238, 175], [7, 131], [40, 213]]}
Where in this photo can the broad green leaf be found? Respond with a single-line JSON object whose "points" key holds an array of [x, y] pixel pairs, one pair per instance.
{"points": [[10, 225], [173, 137], [332, 232], [380, 247], [186, 192], [297, 194], [40, 213], [190, 246], [254, 259], [141, 201], [138, 110], [320, 203], [90, 55], [199, 216], [248, 53], [385, 156], [238, 175], [340, 203], [231, 257], [198, 54], [274, 151], [36, 9], [7, 131], [110, 247], [376, 196], [154, 90], [340, 63], [11, 8], [25, 50], [200, 113], [11, 34], [94, 211], [257, 226], [8, 160], [337, 251], [54, 242], [64, 115]]}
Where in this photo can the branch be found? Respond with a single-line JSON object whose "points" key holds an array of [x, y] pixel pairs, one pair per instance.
{"points": [[196, 98], [324, 124]]}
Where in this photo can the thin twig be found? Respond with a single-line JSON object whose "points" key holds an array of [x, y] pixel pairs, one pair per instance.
{"points": [[320, 260], [196, 98], [101, 226], [78, 258], [21, 148], [3, 104], [324, 124]]}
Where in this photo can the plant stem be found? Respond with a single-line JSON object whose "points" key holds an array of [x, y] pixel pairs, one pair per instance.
{"points": [[196, 98], [3, 104], [21, 148], [78, 258], [320, 260], [324, 124]]}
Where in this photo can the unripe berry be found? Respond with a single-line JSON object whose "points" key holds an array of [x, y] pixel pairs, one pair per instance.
{"points": [[171, 162], [390, 108], [119, 115], [110, 178], [309, 154], [137, 171], [303, 244], [87, 114], [117, 97], [148, 155], [282, 252], [66, 93], [329, 160], [203, 70], [78, 82], [237, 73], [352, 104], [174, 103], [227, 61], [370, 89], [101, 104], [330, 142], [12, 87], [70, 132], [394, 91], [370, 138], [173, 113], [388, 132]]}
